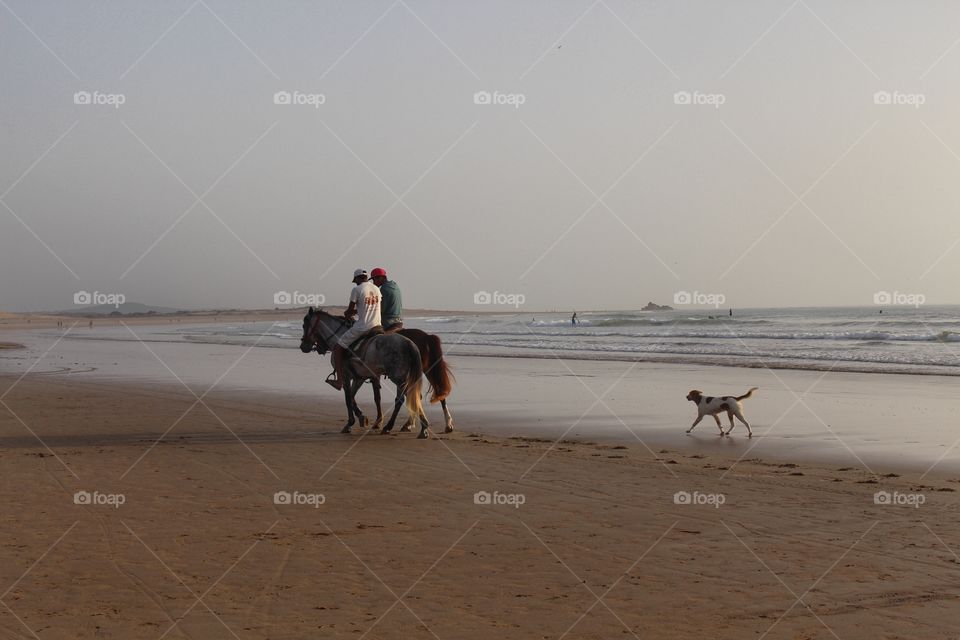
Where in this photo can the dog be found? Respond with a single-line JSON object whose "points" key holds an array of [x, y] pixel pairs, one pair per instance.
{"points": [[710, 406]]}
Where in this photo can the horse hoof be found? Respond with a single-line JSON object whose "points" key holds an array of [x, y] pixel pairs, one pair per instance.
{"points": [[448, 429], [405, 429], [346, 429], [422, 436]]}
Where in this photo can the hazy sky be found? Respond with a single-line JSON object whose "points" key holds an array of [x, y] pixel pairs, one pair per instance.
{"points": [[790, 184]]}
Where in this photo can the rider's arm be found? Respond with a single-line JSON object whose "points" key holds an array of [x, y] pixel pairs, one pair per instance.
{"points": [[352, 307]]}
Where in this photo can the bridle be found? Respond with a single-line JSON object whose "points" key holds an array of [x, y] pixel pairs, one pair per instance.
{"points": [[312, 331]]}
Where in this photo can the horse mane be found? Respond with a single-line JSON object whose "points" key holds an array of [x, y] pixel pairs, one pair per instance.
{"points": [[311, 312], [321, 312]]}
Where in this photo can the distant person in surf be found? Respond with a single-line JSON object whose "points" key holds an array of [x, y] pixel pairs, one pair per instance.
{"points": [[573, 319], [391, 304]]}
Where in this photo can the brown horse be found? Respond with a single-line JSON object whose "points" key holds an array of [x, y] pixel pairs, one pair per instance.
{"points": [[435, 369]]}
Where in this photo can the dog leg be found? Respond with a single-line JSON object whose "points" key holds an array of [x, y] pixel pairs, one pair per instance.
{"points": [[695, 423], [730, 416], [717, 419], [746, 424]]}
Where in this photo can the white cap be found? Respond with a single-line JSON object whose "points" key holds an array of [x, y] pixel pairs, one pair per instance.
{"points": [[359, 272]]}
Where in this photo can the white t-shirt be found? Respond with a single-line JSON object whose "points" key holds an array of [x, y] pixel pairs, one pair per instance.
{"points": [[366, 296]]}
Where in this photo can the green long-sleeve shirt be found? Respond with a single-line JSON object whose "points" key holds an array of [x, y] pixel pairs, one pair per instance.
{"points": [[391, 307]]}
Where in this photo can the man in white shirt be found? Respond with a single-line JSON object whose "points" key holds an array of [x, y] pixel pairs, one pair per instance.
{"points": [[365, 304]]}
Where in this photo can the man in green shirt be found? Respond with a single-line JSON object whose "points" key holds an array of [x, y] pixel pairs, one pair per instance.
{"points": [[391, 306]]}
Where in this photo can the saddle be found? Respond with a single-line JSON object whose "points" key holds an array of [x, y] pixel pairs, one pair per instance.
{"points": [[356, 351], [358, 347]]}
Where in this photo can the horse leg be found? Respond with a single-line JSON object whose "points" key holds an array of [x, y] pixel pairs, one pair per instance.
{"points": [[356, 407], [351, 405], [423, 425], [376, 399], [397, 402], [447, 417], [406, 425]]}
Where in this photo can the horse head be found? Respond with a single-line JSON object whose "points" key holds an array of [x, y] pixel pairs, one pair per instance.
{"points": [[309, 341], [320, 330]]}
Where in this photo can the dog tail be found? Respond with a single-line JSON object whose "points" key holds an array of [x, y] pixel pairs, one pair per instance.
{"points": [[747, 394]]}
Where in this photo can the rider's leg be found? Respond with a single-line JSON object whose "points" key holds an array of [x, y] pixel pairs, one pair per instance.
{"points": [[337, 381]]}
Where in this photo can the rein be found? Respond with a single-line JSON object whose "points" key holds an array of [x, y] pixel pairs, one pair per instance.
{"points": [[316, 324]]}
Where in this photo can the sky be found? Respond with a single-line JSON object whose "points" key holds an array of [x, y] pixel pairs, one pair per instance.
{"points": [[590, 154]]}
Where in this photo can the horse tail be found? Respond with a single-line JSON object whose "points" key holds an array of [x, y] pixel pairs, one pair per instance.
{"points": [[414, 383], [438, 372]]}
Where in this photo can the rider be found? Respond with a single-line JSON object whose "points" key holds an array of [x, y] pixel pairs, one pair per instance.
{"points": [[365, 304], [392, 305]]}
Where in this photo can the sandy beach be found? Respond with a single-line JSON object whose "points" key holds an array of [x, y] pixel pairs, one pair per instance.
{"points": [[248, 515]]}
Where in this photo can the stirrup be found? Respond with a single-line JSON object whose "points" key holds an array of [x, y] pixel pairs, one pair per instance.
{"points": [[335, 382]]}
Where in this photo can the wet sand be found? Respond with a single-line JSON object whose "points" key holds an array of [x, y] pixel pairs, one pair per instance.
{"points": [[581, 540], [893, 421]]}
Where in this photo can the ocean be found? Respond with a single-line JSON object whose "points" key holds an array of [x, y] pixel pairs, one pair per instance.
{"points": [[924, 340]]}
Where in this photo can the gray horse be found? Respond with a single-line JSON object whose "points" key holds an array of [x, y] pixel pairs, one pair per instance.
{"points": [[391, 355]]}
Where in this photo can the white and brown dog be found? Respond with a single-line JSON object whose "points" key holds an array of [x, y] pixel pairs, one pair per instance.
{"points": [[710, 406]]}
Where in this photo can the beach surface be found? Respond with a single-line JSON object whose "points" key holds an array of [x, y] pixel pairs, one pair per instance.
{"points": [[155, 487], [145, 511]]}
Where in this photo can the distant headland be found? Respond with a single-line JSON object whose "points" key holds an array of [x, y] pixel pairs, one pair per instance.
{"points": [[651, 306]]}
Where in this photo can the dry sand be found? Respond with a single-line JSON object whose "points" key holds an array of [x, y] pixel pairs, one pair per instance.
{"points": [[400, 549]]}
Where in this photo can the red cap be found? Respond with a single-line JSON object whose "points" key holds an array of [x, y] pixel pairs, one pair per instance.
{"points": [[378, 272]]}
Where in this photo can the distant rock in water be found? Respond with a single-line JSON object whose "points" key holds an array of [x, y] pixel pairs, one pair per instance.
{"points": [[656, 307]]}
